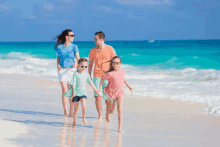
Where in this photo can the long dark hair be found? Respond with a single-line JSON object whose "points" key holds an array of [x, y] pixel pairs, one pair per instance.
{"points": [[111, 67], [62, 37]]}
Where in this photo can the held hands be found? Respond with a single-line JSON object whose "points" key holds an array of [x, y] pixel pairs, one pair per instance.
{"points": [[75, 65], [99, 95], [73, 95], [98, 92]]}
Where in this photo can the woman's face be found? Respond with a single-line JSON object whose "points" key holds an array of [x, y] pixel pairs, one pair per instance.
{"points": [[82, 66], [70, 37]]}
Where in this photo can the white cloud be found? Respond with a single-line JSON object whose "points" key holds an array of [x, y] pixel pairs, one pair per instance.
{"points": [[144, 2], [48, 6], [68, 0], [105, 8], [4, 7]]}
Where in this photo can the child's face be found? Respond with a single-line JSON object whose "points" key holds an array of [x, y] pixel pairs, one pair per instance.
{"points": [[82, 66], [116, 63]]}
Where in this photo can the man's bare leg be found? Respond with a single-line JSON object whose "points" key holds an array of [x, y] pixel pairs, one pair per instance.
{"points": [[98, 104]]}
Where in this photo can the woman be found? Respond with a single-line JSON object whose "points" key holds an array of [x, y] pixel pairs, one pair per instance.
{"points": [[66, 52]]}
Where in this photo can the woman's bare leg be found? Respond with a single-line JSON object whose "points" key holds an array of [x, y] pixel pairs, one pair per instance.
{"points": [[76, 106], [120, 115], [71, 106], [64, 86]]}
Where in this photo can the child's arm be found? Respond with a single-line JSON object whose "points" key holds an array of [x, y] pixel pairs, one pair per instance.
{"points": [[130, 88], [72, 91], [93, 86], [100, 86]]}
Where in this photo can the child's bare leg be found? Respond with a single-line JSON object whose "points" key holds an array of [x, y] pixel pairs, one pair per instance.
{"points": [[83, 102], [111, 106], [76, 106], [120, 115], [64, 86], [107, 118]]}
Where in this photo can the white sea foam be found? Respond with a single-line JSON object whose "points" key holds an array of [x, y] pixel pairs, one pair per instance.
{"points": [[189, 84]]}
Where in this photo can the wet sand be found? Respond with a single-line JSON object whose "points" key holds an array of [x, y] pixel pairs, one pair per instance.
{"points": [[36, 105]]}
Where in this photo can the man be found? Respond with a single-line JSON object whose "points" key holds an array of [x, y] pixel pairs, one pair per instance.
{"points": [[100, 55]]}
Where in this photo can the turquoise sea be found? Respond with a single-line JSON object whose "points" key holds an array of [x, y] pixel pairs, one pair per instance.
{"points": [[185, 70]]}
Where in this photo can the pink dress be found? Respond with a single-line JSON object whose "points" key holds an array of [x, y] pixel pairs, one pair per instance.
{"points": [[114, 89]]}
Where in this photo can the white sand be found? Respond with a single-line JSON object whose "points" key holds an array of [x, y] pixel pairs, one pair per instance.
{"points": [[36, 103], [10, 130]]}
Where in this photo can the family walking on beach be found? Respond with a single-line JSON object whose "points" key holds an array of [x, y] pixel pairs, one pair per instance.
{"points": [[107, 82]]}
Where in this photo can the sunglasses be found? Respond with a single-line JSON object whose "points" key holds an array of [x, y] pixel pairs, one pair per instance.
{"points": [[71, 35], [117, 63], [83, 66]]}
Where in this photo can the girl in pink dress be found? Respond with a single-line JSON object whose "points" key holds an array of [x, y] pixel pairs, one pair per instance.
{"points": [[114, 89]]}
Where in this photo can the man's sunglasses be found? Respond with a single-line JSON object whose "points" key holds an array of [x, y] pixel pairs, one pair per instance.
{"points": [[83, 66]]}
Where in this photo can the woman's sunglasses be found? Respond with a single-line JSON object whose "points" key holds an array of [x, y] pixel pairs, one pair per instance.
{"points": [[71, 35], [83, 66]]}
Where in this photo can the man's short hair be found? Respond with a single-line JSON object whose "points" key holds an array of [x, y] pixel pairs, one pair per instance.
{"points": [[101, 35]]}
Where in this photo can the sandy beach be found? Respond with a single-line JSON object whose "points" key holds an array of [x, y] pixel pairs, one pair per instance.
{"points": [[34, 106]]}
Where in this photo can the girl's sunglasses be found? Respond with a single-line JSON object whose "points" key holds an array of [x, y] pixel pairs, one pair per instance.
{"points": [[83, 66], [117, 63]]}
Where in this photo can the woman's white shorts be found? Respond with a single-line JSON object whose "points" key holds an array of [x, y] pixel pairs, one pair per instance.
{"points": [[66, 74]]}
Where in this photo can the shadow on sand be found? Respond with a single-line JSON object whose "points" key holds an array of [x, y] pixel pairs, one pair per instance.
{"points": [[37, 113]]}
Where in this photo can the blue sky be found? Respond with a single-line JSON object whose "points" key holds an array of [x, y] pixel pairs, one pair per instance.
{"points": [[42, 20]]}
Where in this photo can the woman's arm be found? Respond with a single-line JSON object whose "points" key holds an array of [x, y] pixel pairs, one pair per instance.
{"points": [[77, 58], [58, 65], [130, 88]]}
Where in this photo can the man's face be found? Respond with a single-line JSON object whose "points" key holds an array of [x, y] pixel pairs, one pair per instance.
{"points": [[97, 40]]}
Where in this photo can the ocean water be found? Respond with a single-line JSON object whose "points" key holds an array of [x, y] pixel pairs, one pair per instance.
{"points": [[187, 70]]}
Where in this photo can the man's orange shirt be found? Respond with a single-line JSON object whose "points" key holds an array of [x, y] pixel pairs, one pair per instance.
{"points": [[101, 56]]}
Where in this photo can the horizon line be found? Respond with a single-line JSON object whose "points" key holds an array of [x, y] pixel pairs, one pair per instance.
{"points": [[123, 40]]}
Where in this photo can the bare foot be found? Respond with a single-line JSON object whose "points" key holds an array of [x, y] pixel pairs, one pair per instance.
{"points": [[74, 124], [85, 122], [107, 119], [65, 113], [99, 119], [71, 114], [120, 129]]}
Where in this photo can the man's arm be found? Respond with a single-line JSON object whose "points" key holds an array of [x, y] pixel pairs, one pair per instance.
{"points": [[90, 68], [113, 52]]}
